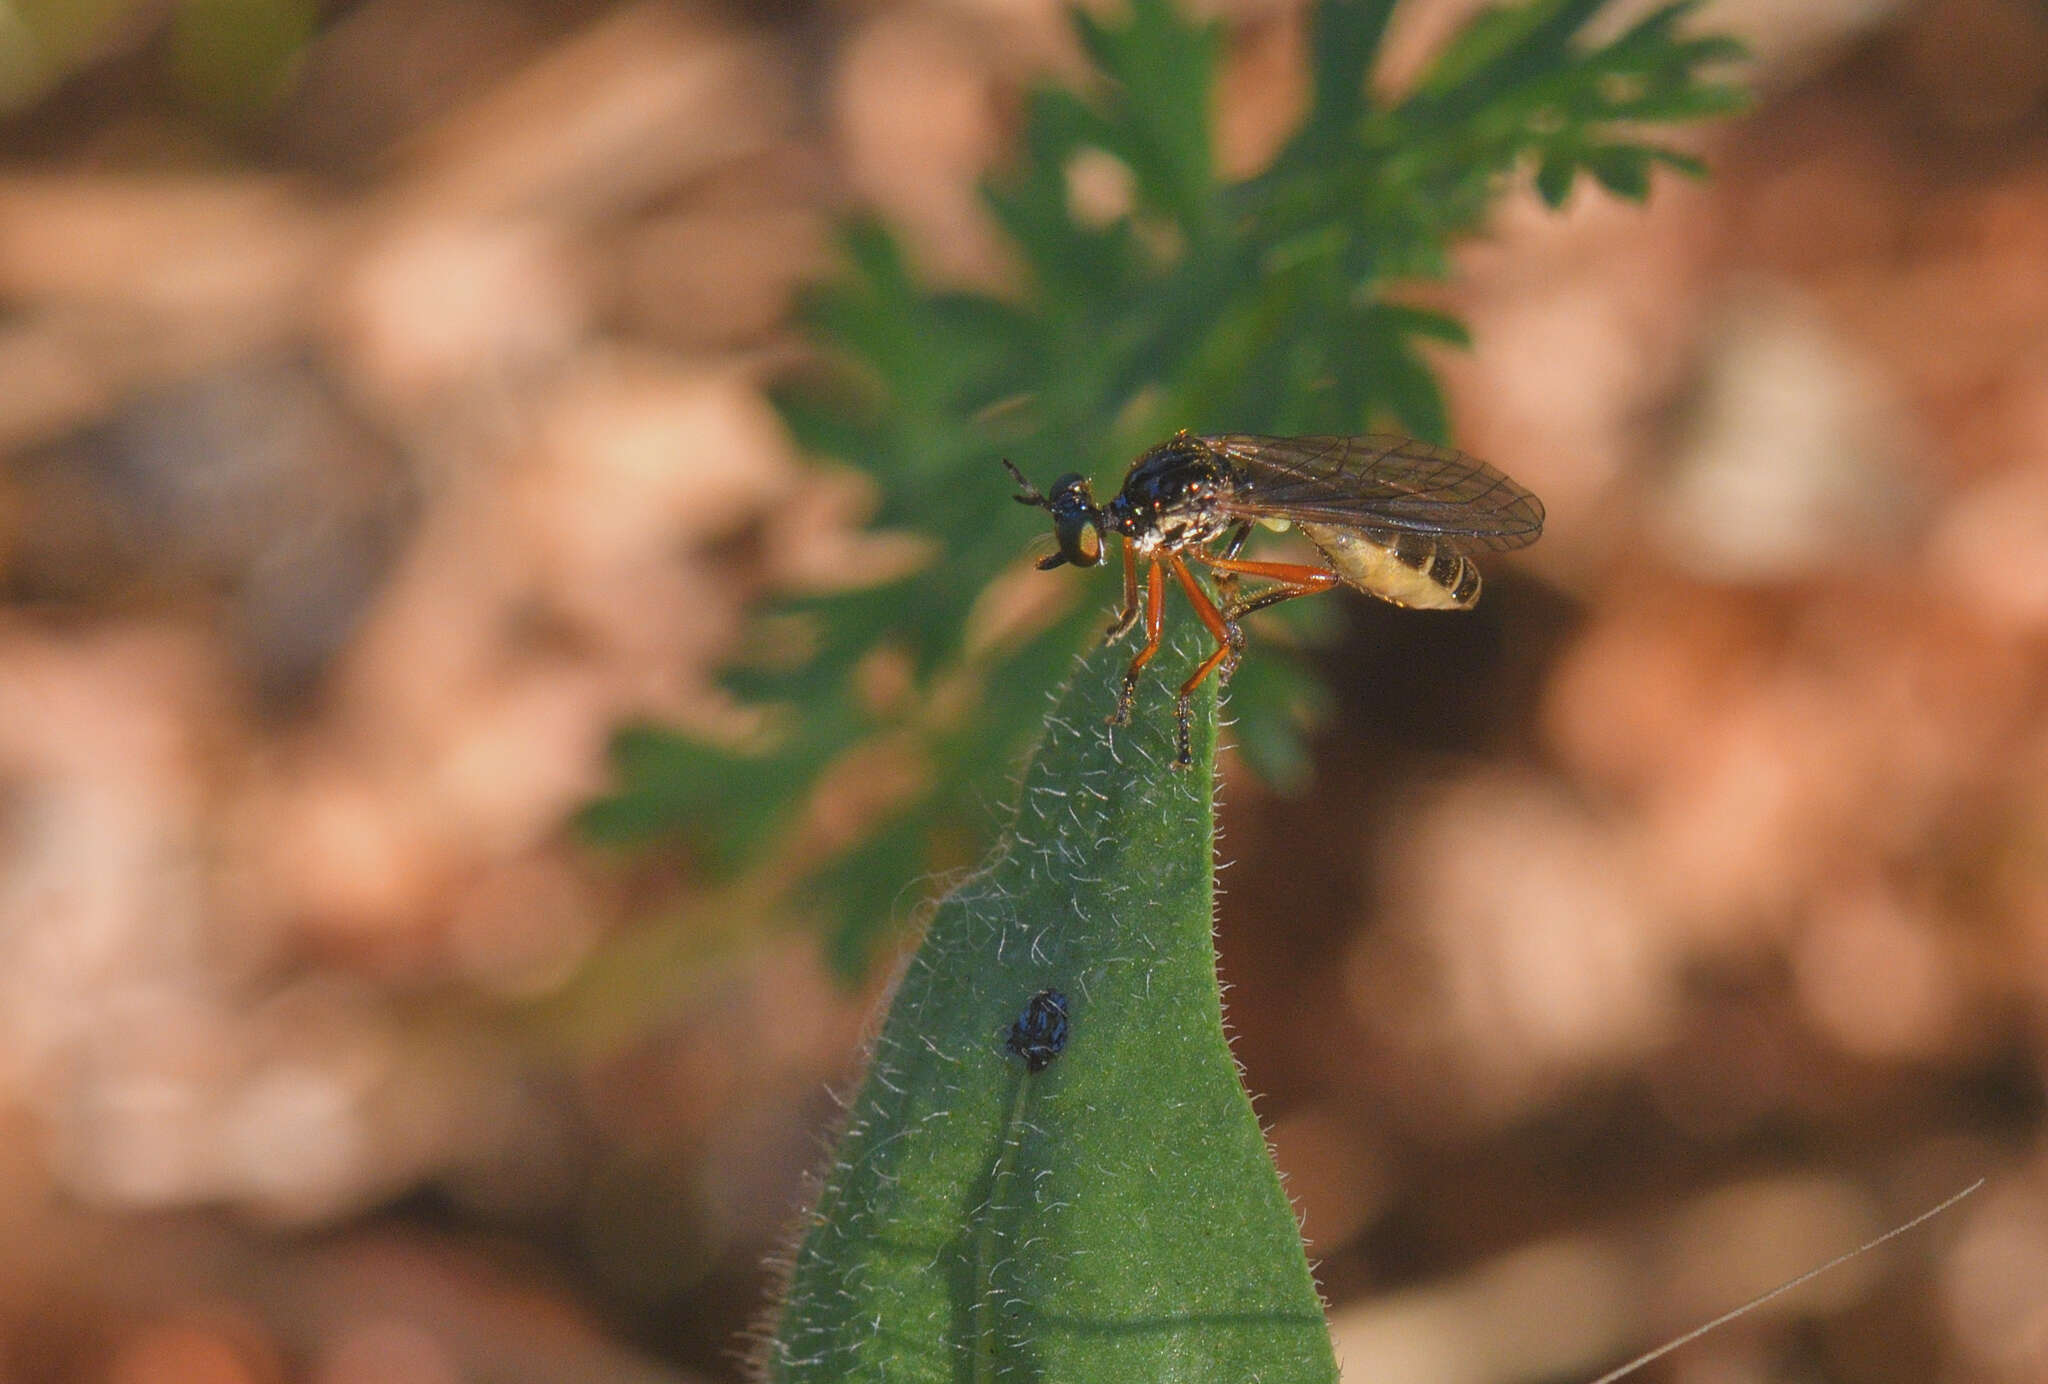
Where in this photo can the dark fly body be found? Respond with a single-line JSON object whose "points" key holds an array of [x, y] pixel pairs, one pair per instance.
{"points": [[1393, 517]]}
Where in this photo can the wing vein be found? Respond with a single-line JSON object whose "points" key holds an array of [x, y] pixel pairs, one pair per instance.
{"points": [[1381, 484]]}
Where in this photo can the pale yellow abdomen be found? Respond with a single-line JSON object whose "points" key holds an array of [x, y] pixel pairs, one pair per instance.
{"points": [[1412, 571]]}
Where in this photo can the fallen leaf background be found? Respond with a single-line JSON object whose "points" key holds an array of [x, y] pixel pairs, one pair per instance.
{"points": [[376, 443]]}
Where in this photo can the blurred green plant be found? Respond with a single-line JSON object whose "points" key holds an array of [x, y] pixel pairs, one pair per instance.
{"points": [[228, 59], [234, 58], [1253, 306]]}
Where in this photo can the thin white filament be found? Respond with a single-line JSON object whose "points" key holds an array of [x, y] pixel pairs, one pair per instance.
{"points": [[1693, 1335]]}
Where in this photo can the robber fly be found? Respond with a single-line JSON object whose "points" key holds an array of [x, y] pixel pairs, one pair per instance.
{"points": [[1394, 517]]}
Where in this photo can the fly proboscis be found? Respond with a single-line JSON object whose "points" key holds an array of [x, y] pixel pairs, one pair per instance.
{"points": [[1396, 518]]}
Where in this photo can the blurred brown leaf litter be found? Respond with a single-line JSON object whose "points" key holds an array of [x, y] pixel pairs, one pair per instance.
{"points": [[1674, 922]]}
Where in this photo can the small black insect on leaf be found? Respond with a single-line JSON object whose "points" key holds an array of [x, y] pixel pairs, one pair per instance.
{"points": [[1040, 1033]]}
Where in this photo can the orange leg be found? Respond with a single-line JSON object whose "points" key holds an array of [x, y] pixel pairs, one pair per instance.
{"points": [[1294, 578], [1229, 644], [1129, 616], [1226, 581], [1155, 625]]}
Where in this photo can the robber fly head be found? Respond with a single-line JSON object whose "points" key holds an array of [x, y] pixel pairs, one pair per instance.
{"points": [[1076, 518]]}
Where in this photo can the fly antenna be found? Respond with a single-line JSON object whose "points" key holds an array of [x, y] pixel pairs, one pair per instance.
{"points": [[1693, 1335], [1027, 492]]}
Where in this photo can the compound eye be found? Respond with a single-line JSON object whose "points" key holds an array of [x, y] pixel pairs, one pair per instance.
{"points": [[1080, 539]]}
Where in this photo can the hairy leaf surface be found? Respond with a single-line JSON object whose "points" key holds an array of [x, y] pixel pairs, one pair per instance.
{"points": [[1114, 1217]]}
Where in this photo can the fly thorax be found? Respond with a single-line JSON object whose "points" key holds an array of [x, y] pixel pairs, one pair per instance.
{"points": [[1184, 527], [1170, 497]]}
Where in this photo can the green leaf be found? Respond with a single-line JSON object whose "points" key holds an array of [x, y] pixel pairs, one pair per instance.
{"points": [[1115, 1216], [1505, 45], [670, 784], [1413, 396], [871, 888], [1687, 164], [1554, 178], [1345, 40], [1272, 744], [1623, 170], [1156, 116], [729, 804], [1405, 319], [1699, 52], [1698, 101], [1656, 27]]}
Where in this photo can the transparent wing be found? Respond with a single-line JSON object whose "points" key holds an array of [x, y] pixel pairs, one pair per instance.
{"points": [[1381, 483]]}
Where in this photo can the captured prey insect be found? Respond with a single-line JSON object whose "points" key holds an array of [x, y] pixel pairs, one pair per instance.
{"points": [[1396, 518]]}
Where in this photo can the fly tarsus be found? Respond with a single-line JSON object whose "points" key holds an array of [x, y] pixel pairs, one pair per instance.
{"points": [[1126, 694], [1236, 642]]}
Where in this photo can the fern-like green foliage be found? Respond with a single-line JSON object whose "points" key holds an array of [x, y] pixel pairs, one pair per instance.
{"points": [[1254, 306]]}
